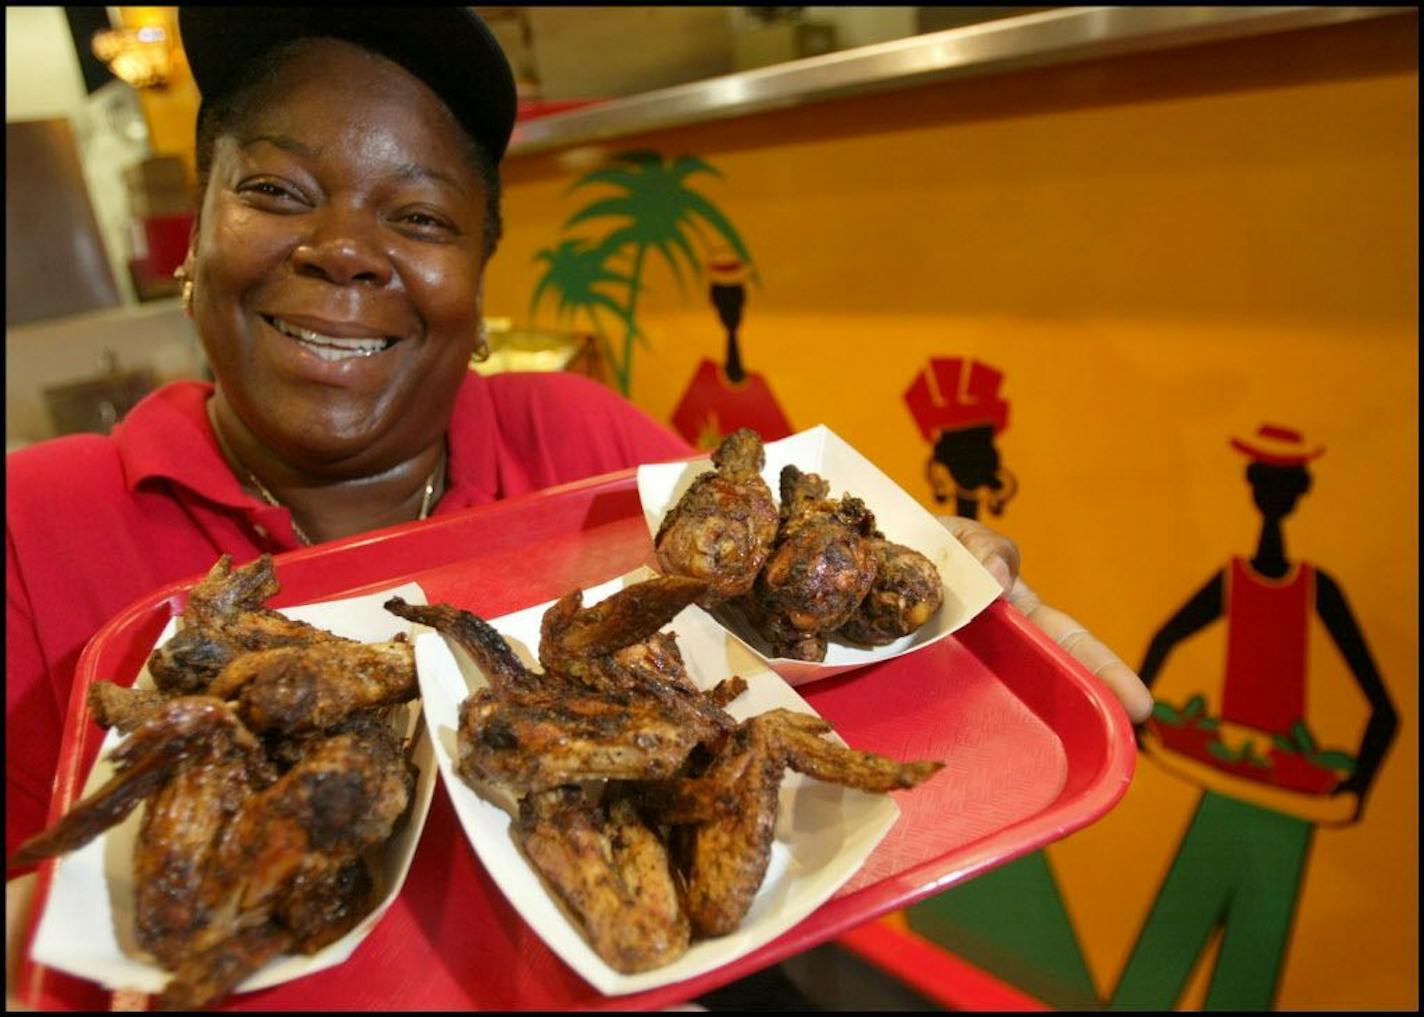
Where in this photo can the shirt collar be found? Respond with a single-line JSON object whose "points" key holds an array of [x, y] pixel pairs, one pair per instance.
{"points": [[472, 477], [167, 436]]}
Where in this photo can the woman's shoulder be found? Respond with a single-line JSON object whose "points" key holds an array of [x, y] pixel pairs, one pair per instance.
{"points": [[574, 418], [73, 458], [559, 393]]}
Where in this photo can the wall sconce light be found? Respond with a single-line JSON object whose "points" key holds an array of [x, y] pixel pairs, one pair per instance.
{"points": [[141, 57]]}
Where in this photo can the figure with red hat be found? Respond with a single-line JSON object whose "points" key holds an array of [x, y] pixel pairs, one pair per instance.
{"points": [[959, 411], [721, 398], [1241, 863]]}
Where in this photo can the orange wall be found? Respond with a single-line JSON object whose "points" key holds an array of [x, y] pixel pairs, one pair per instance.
{"points": [[1159, 252]]}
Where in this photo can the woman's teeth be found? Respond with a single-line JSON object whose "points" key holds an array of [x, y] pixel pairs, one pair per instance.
{"points": [[330, 348]]}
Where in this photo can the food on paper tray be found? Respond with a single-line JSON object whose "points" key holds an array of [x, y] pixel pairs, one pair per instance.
{"points": [[818, 569], [723, 527], [646, 808], [269, 764]]}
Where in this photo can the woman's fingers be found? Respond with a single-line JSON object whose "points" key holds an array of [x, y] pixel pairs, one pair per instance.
{"points": [[1087, 649], [1000, 556], [995, 552]]}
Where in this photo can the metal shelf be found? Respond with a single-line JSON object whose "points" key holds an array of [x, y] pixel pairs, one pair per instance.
{"points": [[1031, 40]]}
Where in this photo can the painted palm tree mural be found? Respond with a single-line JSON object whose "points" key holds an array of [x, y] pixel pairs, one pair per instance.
{"points": [[655, 215], [654, 212], [573, 272]]}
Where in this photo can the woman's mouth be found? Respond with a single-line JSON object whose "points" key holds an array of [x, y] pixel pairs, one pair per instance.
{"points": [[332, 348]]}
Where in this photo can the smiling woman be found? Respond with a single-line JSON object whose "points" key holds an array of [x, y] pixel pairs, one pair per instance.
{"points": [[350, 200], [339, 329]]}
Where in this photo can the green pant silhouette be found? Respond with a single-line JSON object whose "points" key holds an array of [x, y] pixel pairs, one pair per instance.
{"points": [[1238, 867]]}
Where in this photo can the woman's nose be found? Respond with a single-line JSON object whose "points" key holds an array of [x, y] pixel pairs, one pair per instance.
{"points": [[343, 249]]}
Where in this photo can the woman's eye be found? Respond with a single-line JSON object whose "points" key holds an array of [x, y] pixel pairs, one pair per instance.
{"points": [[426, 223], [269, 192]]}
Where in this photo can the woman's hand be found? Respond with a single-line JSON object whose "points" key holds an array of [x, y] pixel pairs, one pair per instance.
{"points": [[1000, 556]]}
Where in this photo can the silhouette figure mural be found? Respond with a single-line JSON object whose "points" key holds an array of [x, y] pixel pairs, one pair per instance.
{"points": [[959, 411], [1011, 919], [1266, 783], [724, 397]]}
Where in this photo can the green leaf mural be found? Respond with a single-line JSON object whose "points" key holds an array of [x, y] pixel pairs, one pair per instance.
{"points": [[654, 212]]}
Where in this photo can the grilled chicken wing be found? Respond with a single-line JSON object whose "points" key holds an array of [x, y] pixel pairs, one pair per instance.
{"points": [[180, 830], [283, 869], [506, 673], [188, 730], [573, 638], [611, 870], [207, 976], [614, 703], [341, 798], [122, 707], [906, 592], [223, 618], [726, 855], [304, 688], [819, 571], [722, 528], [540, 741]]}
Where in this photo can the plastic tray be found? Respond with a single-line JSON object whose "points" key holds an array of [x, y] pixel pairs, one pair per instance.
{"points": [[1035, 749]]}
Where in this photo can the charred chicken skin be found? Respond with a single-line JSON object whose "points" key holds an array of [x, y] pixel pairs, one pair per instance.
{"points": [[614, 701], [721, 530], [643, 805], [906, 593], [261, 805], [819, 571], [612, 870], [726, 854], [305, 688], [225, 617]]}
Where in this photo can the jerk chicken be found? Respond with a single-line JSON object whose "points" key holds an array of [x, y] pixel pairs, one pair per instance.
{"points": [[725, 856], [819, 571], [269, 766], [646, 808], [224, 618], [722, 528], [906, 592]]}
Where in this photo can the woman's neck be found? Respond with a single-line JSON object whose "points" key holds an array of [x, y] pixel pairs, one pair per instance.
{"points": [[325, 507]]}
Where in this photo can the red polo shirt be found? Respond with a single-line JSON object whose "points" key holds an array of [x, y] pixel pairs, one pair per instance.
{"points": [[93, 523]]}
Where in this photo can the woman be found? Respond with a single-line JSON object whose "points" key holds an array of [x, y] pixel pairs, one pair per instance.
{"points": [[348, 165]]}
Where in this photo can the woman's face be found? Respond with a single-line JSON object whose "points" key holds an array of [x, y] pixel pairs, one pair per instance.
{"points": [[337, 263]]}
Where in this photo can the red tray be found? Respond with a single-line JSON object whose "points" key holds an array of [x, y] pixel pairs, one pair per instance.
{"points": [[1036, 749]]}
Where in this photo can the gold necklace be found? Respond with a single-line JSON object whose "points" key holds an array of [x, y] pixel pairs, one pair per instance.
{"points": [[271, 499]]}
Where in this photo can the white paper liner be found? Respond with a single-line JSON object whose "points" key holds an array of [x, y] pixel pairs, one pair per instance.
{"points": [[968, 586], [824, 832], [88, 918]]}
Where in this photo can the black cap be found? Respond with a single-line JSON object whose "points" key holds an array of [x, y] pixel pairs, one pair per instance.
{"points": [[449, 48]]}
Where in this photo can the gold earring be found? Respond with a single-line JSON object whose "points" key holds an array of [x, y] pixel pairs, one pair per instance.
{"points": [[482, 349], [185, 294]]}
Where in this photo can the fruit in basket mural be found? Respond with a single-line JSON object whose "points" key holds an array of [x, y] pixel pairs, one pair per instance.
{"points": [[1266, 785]]}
